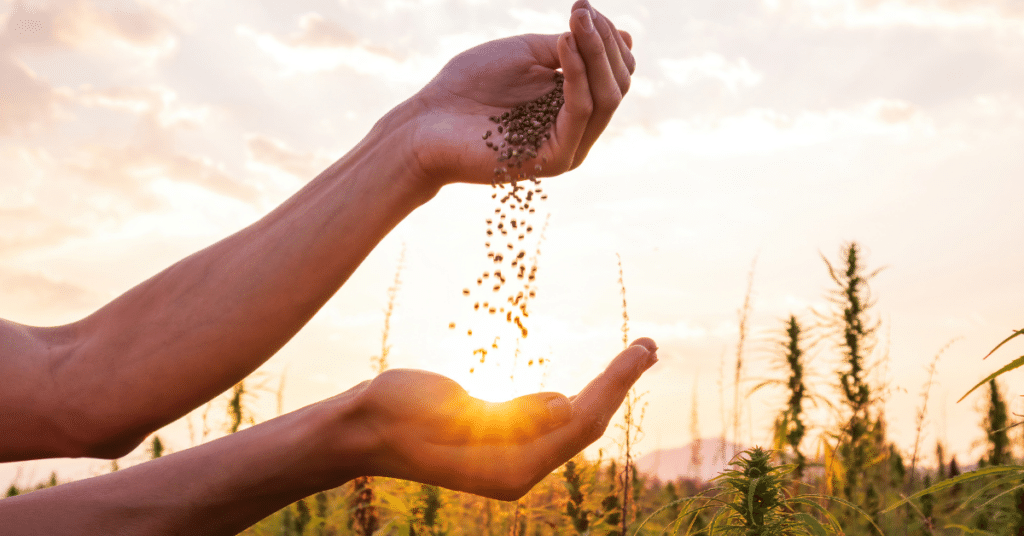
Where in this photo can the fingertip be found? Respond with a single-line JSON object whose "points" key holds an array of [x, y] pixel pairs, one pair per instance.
{"points": [[559, 409], [627, 38], [647, 342]]}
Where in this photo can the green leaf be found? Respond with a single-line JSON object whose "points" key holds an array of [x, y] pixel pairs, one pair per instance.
{"points": [[1012, 365], [810, 523], [1006, 340], [966, 477]]}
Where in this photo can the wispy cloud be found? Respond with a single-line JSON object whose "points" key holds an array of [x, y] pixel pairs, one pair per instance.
{"points": [[276, 154], [734, 75], [324, 45], [93, 25], [34, 295], [27, 103], [946, 14]]}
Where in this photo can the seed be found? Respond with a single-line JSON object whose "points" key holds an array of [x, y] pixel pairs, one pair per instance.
{"points": [[451, 325], [465, 292]]}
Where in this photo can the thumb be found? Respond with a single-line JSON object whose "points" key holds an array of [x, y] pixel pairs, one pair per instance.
{"points": [[601, 398]]}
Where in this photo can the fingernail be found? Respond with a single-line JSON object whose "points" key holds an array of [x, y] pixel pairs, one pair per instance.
{"points": [[572, 43], [588, 21], [559, 410]]}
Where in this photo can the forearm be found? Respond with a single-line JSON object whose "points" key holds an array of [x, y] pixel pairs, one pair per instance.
{"points": [[192, 331], [220, 487]]}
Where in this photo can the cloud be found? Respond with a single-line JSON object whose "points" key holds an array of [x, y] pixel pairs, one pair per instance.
{"points": [[322, 45], [276, 154], [31, 293], [759, 131], [318, 32], [946, 14], [711, 66], [27, 103], [151, 154], [29, 227], [130, 169], [89, 24]]}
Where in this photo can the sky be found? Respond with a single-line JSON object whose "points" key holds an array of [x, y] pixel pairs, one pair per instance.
{"points": [[757, 138]]}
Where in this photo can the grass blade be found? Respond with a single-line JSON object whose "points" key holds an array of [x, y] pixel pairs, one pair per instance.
{"points": [[966, 477], [1006, 340], [1012, 365]]}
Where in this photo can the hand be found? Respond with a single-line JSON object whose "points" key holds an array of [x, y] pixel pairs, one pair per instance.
{"points": [[430, 430], [491, 78]]}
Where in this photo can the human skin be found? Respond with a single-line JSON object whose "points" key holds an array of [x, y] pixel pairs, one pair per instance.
{"points": [[99, 386]]}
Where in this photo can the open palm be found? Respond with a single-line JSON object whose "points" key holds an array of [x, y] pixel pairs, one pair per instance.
{"points": [[430, 430]]}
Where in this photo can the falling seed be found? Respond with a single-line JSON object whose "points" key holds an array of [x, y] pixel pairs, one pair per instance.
{"points": [[465, 292], [451, 325], [469, 332]]}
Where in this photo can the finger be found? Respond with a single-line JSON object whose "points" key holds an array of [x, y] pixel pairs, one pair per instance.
{"points": [[603, 87], [523, 419], [593, 407], [619, 66], [627, 39], [572, 119], [623, 39]]}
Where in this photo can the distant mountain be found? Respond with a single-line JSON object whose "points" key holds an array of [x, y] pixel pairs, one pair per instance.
{"points": [[669, 464]]}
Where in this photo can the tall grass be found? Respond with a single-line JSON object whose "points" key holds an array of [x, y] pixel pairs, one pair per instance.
{"points": [[744, 319]]}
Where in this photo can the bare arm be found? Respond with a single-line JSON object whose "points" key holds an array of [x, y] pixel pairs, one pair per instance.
{"points": [[193, 330], [405, 424], [100, 385]]}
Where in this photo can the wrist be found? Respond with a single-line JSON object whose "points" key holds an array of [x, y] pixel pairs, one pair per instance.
{"points": [[401, 130]]}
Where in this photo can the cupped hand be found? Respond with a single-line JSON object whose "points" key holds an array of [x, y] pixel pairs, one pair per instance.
{"points": [[430, 430], [487, 80]]}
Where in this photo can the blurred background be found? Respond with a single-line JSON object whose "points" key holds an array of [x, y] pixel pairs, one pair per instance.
{"points": [[758, 137]]}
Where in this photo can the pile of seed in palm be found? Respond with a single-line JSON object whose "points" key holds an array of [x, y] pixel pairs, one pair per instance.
{"points": [[516, 139]]}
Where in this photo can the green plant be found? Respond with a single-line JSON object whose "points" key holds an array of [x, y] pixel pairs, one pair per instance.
{"points": [[857, 470], [582, 518], [752, 500], [1016, 363], [995, 427], [156, 448], [364, 520], [789, 428]]}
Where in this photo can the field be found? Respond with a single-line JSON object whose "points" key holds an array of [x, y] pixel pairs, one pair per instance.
{"points": [[847, 479]]}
